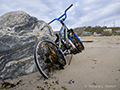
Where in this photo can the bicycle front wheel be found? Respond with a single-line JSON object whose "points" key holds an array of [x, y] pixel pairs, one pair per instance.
{"points": [[76, 41], [48, 58]]}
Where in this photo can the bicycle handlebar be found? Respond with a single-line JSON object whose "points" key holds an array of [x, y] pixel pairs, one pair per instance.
{"points": [[62, 15]]}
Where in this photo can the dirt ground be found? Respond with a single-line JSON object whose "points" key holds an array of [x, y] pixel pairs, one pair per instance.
{"points": [[96, 68]]}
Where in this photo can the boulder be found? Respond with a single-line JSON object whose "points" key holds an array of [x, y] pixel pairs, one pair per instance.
{"points": [[19, 32]]}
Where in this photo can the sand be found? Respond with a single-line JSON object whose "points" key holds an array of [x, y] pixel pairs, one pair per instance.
{"points": [[96, 68]]}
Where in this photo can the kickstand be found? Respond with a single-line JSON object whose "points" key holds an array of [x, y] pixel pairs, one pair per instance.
{"points": [[70, 59]]}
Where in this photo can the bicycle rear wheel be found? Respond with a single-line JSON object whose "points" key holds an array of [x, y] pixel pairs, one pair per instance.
{"points": [[48, 58]]}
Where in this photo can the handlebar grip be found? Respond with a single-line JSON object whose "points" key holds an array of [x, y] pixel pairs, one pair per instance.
{"points": [[70, 6], [48, 23]]}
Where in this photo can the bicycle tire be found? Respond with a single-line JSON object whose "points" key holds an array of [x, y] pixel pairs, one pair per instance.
{"points": [[41, 56], [76, 41]]}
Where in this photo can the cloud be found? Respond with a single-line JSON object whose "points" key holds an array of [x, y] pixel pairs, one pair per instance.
{"points": [[98, 12], [83, 12]]}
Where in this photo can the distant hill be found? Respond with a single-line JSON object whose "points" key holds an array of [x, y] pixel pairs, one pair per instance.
{"points": [[78, 30], [99, 29]]}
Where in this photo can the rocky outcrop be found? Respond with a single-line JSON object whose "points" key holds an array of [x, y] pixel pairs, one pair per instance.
{"points": [[19, 32]]}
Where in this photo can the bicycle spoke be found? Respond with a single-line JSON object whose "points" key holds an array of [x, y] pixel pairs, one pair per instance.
{"points": [[47, 59], [39, 53]]}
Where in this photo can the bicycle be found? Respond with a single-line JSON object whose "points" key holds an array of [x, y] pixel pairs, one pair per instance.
{"points": [[50, 56]]}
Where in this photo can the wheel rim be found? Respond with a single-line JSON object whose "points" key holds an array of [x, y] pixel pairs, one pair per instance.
{"points": [[47, 59]]}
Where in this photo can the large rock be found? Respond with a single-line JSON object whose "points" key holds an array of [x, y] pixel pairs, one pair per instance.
{"points": [[19, 32]]}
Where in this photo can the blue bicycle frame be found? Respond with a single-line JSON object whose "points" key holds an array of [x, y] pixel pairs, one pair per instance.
{"points": [[64, 29]]}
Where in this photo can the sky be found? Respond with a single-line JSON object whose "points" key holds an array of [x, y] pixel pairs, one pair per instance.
{"points": [[83, 13]]}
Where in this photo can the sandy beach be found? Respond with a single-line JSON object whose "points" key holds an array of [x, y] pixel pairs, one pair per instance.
{"points": [[96, 68]]}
